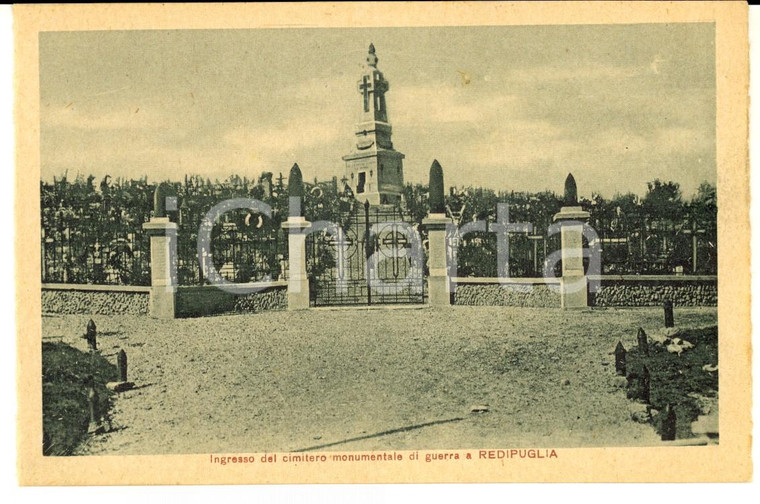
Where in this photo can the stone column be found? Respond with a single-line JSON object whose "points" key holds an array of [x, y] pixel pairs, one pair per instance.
{"points": [[436, 221], [298, 280], [163, 266], [438, 280], [571, 217]]}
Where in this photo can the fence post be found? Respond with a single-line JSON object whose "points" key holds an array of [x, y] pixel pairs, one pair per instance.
{"points": [[163, 255], [298, 279], [574, 283], [436, 221]]}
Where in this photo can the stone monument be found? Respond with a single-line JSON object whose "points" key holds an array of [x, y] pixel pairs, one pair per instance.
{"points": [[571, 217], [374, 170], [436, 221], [163, 254], [297, 226]]}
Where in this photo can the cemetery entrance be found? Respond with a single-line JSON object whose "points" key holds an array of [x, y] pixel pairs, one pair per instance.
{"points": [[374, 256]]}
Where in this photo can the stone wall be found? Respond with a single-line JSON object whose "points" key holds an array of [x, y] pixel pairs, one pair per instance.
{"points": [[494, 294], [272, 299], [628, 291], [209, 300], [96, 302], [631, 292], [123, 300]]}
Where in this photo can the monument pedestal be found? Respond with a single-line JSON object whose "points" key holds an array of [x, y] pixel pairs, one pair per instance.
{"points": [[163, 264], [438, 279], [298, 280], [574, 284]]}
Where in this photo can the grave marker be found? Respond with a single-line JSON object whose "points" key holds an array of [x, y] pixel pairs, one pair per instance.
{"points": [[123, 384], [91, 335], [642, 341], [620, 359], [668, 431], [122, 364], [668, 307]]}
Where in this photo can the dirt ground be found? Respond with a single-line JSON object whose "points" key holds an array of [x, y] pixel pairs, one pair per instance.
{"points": [[370, 379]]}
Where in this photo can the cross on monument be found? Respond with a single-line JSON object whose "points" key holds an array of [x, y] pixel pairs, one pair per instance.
{"points": [[365, 87]]}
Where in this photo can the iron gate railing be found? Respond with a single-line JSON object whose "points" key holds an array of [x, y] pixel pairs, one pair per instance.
{"points": [[375, 257]]}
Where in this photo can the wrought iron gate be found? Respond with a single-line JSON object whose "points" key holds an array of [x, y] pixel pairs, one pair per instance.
{"points": [[374, 256]]}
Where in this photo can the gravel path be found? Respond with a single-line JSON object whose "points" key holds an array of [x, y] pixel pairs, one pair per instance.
{"points": [[336, 379]]}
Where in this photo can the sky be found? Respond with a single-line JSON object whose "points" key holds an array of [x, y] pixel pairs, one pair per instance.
{"points": [[509, 108]]}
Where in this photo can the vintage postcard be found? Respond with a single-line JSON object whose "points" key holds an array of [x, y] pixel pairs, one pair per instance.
{"points": [[318, 243]]}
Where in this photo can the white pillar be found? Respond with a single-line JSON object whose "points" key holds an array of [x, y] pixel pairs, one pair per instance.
{"points": [[574, 283], [438, 280], [298, 280], [163, 266]]}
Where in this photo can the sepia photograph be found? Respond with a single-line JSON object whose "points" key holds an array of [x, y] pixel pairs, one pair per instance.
{"points": [[368, 246]]}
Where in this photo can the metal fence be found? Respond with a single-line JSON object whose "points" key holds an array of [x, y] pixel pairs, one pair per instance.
{"points": [[244, 248], [90, 237], [476, 254], [656, 249], [70, 256], [94, 235]]}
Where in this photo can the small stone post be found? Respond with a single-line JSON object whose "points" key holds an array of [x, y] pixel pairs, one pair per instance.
{"points": [[163, 255], [574, 284], [620, 359], [121, 362], [298, 280], [668, 308], [436, 221], [123, 384], [668, 429], [91, 335], [643, 342]]}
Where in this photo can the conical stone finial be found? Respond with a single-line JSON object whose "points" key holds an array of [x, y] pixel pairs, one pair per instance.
{"points": [[163, 192], [571, 191], [295, 182], [295, 192], [371, 48], [436, 188], [159, 201]]}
